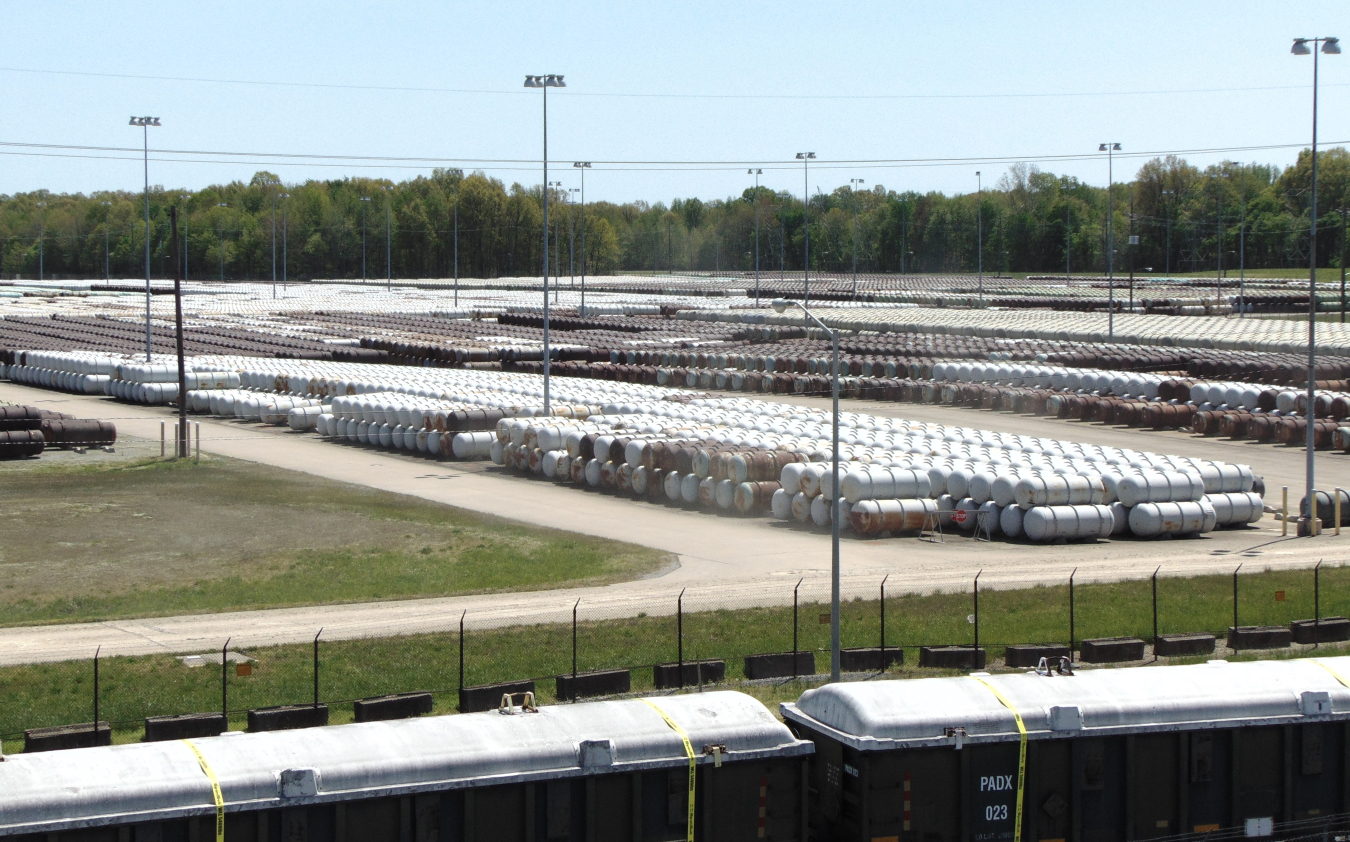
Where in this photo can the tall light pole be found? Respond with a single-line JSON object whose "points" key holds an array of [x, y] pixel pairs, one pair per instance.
{"points": [[1068, 240], [805, 158], [1168, 259], [365, 200], [780, 305], [184, 198], [1110, 149], [145, 123], [222, 244], [557, 264], [583, 166], [272, 185], [979, 231], [571, 240], [756, 173], [457, 186], [107, 220], [853, 190], [42, 239], [285, 230], [551, 80], [389, 233], [1330, 46], [1218, 243]]}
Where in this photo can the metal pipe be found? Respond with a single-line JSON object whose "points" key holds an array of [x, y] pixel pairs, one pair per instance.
{"points": [[316, 666], [225, 683], [1155, 613], [679, 636], [181, 433], [979, 230], [1071, 617], [96, 689]]}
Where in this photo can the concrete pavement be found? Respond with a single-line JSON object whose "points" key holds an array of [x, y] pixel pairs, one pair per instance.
{"points": [[724, 561]]}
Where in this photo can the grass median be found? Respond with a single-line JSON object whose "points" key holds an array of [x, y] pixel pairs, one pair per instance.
{"points": [[134, 688], [113, 538]]}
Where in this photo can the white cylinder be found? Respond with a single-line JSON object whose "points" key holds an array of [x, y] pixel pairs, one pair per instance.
{"points": [[1010, 521], [1236, 507], [1148, 520], [1161, 487], [780, 505], [471, 445], [801, 507], [1046, 523]]}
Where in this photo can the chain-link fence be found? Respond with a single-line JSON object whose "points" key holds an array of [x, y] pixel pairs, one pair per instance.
{"points": [[600, 645]]}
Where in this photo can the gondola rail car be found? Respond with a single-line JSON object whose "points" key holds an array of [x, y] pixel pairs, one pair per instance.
{"points": [[614, 770], [1110, 755]]}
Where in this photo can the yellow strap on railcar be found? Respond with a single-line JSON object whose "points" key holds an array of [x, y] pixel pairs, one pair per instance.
{"points": [[1021, 755], [215, 790], [689, 751], [1334, 674]]}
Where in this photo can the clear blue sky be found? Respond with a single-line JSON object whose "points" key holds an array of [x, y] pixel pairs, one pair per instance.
{"points": [[692, 81]]}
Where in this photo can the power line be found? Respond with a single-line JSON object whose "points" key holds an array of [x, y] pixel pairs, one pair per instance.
{"points": [[648, 95], [412, 162]]}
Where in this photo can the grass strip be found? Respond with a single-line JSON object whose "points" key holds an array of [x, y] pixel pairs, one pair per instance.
{"points": [[136, 687], [143, 538]]}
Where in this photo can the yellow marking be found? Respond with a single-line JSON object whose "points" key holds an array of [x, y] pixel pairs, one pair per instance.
{"points": [[688, 750], [215, 790], [1334, 674], [1021, 754]]}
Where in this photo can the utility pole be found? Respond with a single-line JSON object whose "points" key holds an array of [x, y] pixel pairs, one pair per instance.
{"points": [[1068, 242], [364, 201], [1342, 263], [904, 234], [1134, 241], [583, 166], [756, 173], [389, 235], [979, 230], [853, 189], [805, 158], [107, 220], [1110, 149]]}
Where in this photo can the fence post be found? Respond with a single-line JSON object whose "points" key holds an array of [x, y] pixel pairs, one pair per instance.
{"points": [[976, 594], [1071, 627], [199, 440], [794, 627], [1284, 512], [161, 440], [316, 667], [96, 651], [1155, 613], [225, 683], [574, 650], [1337, 507], [883, 621], [1317, 603], [461, 648], [1235, 596], [679, 635]]}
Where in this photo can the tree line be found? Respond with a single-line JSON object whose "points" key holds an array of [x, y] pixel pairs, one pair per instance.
{"points": [[1172, 216]]}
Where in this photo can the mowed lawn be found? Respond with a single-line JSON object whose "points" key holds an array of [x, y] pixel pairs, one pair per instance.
{"points": [[135, 537]]}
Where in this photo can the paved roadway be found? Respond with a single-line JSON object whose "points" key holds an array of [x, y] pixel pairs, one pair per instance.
{"points": [[724, 561]]}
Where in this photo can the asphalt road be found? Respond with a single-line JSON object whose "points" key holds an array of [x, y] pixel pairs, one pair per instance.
{"points": [[724, 561]]}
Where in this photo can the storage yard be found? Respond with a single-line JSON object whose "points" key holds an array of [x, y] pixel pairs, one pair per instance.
{"points": [[686, 422], [679, 393]]}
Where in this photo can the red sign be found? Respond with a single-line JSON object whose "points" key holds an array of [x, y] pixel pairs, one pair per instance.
{"points": [[959, 515]]}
